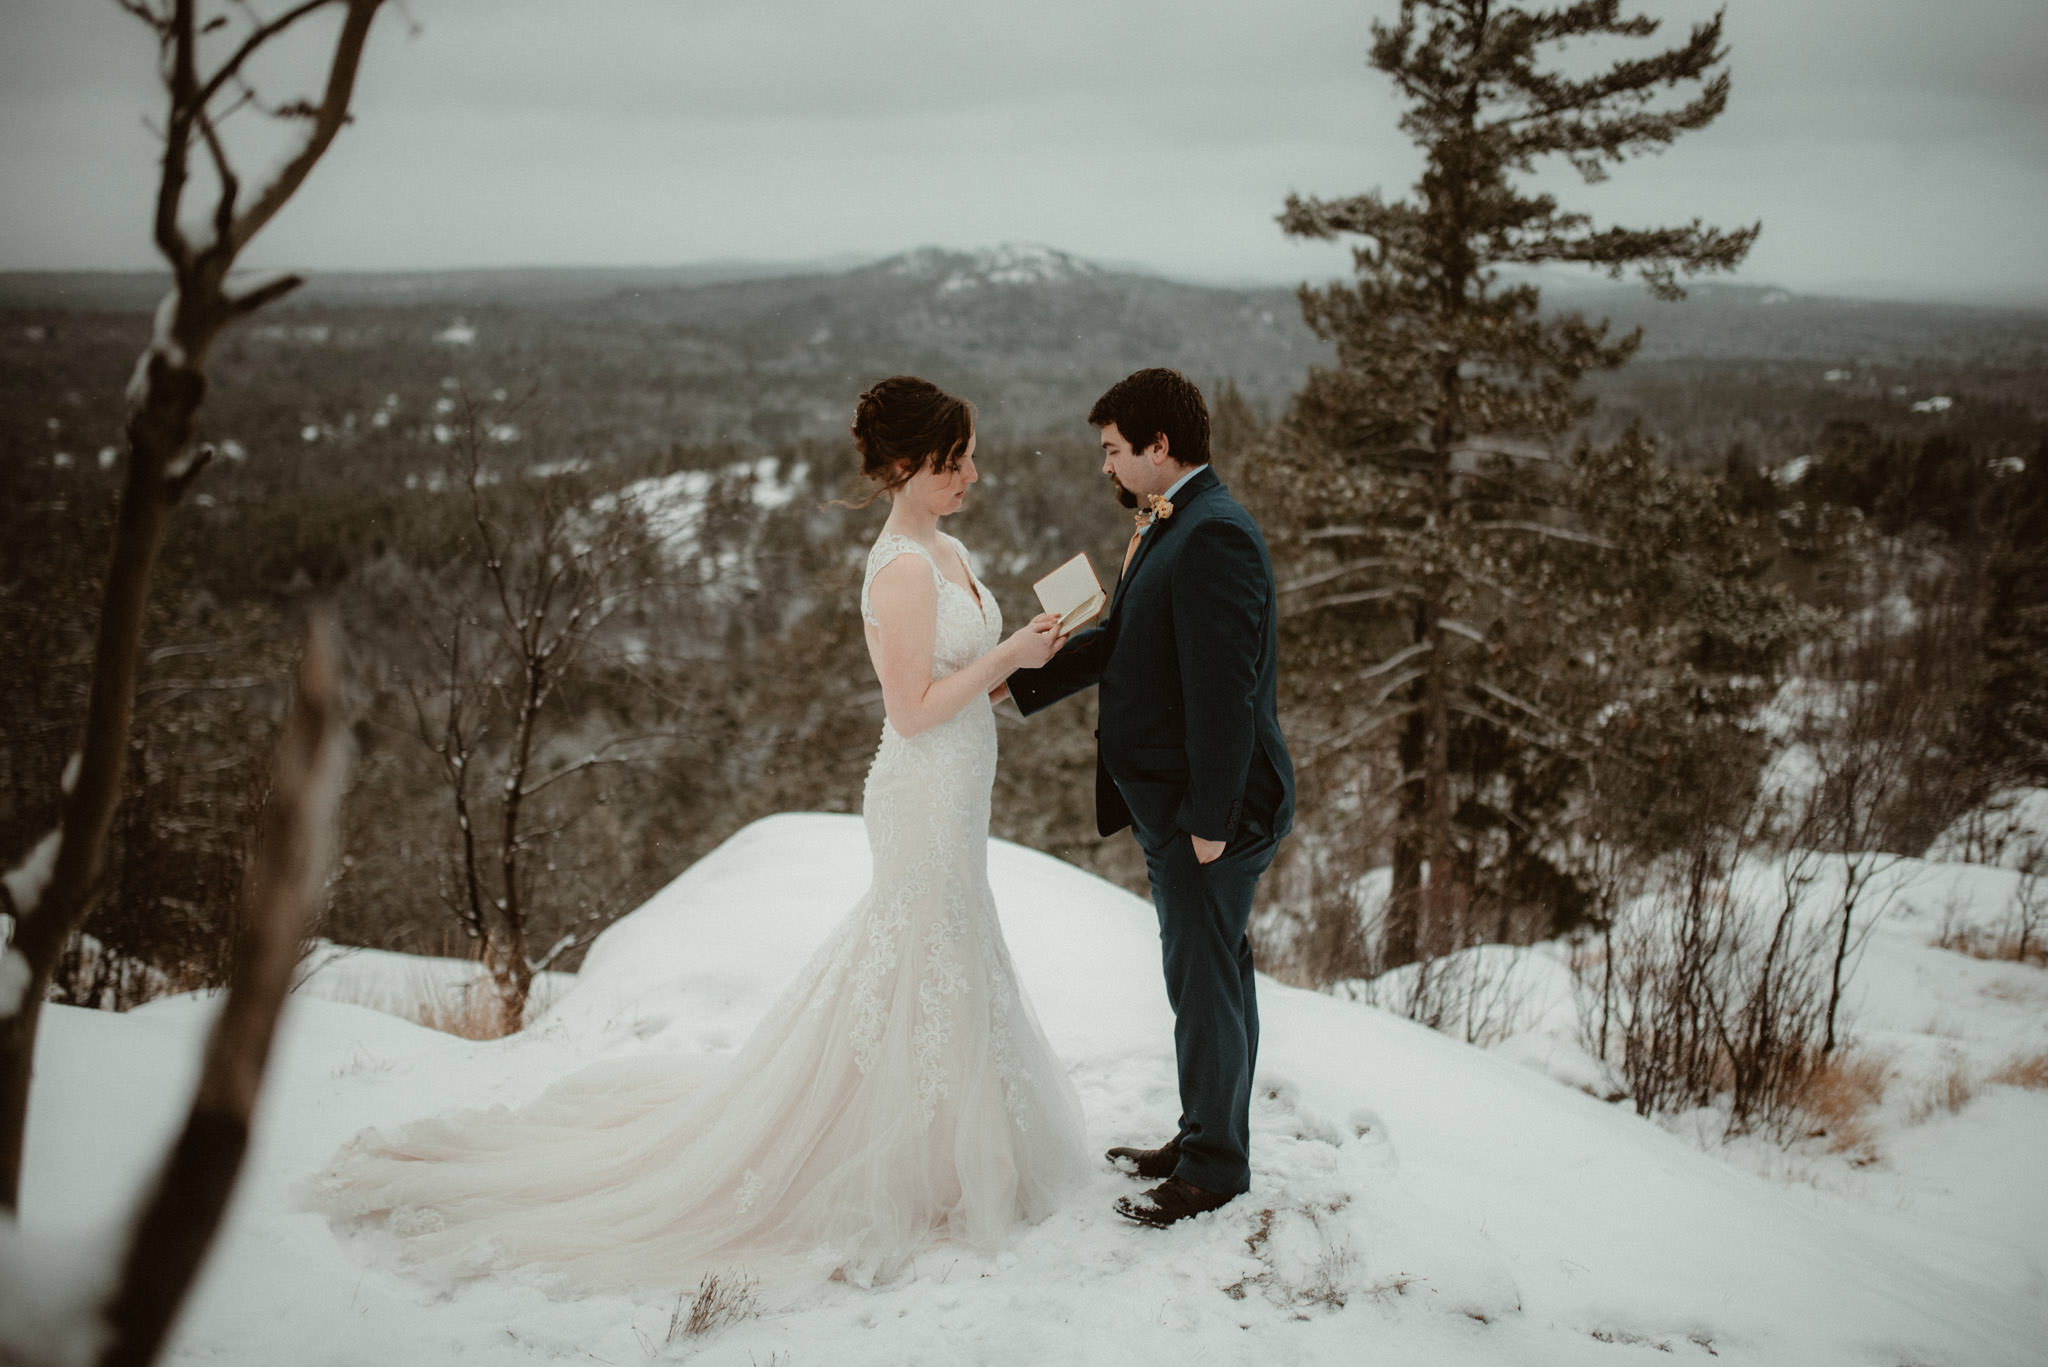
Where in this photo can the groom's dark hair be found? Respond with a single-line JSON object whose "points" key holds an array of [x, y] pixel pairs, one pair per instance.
{"points": [[1154, 403]]}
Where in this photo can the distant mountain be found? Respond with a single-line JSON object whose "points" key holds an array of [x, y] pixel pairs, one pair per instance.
{"points": [[1722, 321], [777, 350], [125, 291], [1031, 333]]}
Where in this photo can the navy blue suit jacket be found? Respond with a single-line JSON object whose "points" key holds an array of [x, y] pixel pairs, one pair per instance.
{"points": [[1186, 667]]}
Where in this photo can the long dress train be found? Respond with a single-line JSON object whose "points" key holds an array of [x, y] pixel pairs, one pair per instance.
{"points": [[900, 1091]]}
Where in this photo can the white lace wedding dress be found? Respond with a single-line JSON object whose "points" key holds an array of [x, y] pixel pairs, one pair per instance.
{"points": [[899, 1092]]}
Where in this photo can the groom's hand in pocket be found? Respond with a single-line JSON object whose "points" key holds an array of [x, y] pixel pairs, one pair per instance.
{"points": [[1206, 851]]}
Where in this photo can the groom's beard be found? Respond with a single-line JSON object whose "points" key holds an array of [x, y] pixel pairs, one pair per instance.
{"points": [[1124, 496]]}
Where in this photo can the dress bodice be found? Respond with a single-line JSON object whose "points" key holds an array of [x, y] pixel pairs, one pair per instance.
{"points": [[970, 622]]}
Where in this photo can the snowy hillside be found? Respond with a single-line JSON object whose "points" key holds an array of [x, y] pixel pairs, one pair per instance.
{"points": [[1008, 264], [1415, 1200]]}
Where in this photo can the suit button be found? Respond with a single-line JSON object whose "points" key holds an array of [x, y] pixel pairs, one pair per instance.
{"points": [[1098, 733]]}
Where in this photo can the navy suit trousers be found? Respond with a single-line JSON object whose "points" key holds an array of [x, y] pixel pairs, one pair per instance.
{"points": [[1204, 911]]}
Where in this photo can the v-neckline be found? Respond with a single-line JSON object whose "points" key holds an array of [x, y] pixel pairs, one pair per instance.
{"points": [[931, 558], [969, 587]]}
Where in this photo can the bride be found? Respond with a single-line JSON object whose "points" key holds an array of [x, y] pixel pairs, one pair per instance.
{"points": [[899, 1092]]}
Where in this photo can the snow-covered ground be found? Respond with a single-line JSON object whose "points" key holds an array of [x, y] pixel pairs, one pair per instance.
{"points": [[415, 986], [1415, 1199]]}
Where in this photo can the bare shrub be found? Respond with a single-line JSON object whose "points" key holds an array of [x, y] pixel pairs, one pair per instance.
{"points": [[2027, 916], [1706, 989], [2018, 938], [1880, 730], [1333, 944], [1477, 995], [2026, 1070], [518, 617], [90, 974]]}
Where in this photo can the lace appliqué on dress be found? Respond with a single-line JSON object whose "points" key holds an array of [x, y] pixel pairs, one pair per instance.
{"points": [[943, 775]]}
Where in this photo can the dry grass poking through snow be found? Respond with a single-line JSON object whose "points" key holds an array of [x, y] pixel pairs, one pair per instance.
{"points": [[2028, 1072], [1995, 946], [1836, 1093], [720, 1301], [1291, 1281], [1950, 1092], [471, 1011]]}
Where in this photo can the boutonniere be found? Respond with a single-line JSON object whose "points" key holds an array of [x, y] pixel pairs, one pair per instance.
{"points": [[1159, 505]]}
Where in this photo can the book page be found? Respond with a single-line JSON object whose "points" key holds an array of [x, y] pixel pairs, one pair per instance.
{"points": [[1073, 592]]}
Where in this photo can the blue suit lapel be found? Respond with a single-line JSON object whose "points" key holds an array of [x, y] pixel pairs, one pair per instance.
{"points": [[1189, 492]]}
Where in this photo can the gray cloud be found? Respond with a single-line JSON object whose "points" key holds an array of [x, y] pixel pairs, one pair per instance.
{"points": [[1885, 149]]}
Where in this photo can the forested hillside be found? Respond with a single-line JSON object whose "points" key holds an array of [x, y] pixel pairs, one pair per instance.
{"points": [[729, 679]]}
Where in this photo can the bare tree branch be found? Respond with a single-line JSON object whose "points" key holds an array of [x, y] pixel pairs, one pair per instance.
{"points": [[177, 33], [164, 398], [593, 762], [230, 187], [231, 69], [267, 293], [331, 114], [286, 881]]}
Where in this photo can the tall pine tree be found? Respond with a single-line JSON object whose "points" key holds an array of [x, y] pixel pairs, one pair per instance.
{"points": [[1423, 457]]}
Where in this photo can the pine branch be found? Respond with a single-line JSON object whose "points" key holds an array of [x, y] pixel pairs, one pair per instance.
{"points": [[1395, 661], [1331, 575], [1318, 751], [1544, 529], [1338, 600]]}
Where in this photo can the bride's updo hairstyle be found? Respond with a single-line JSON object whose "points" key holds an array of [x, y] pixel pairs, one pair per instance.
{"points": [[904, 425]]}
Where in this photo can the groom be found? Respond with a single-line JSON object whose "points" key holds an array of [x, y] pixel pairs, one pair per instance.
{"points": [[1189, 756]]}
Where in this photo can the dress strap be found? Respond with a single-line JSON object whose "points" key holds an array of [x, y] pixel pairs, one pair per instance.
{"points": [[887, 547], [960, 549]]}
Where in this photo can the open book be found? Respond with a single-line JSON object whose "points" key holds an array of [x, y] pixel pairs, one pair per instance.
{"points": [[1073, 592]]}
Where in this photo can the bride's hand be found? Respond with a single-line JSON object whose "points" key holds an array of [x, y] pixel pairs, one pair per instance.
{"points": [[1036, 641]]}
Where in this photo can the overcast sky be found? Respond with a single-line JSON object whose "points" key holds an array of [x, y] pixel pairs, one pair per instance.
{"points": [[1891, 147]]}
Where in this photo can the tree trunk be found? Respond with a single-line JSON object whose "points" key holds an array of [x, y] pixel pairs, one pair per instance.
{"points": [[510, 969], [1439, 935], [1841, 955], [159, 432], [286, 878], [1401, 934]]}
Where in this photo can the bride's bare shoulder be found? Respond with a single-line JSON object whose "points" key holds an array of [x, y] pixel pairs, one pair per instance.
{"points": [[900, 588]]}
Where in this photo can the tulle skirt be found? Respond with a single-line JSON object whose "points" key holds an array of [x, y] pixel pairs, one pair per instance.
{"points": [[899, 1093]]}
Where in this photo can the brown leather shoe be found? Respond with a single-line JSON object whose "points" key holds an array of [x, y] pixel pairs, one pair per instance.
{"points": [[1150, 1164], [1172, 1200]]}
